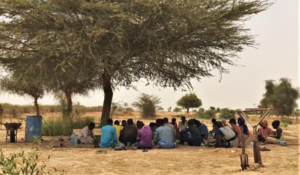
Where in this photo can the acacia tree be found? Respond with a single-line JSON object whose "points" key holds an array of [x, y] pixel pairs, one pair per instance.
{"points": [[281, 96], [167, 43], [189, 101], [147, 104], [23, 86]]}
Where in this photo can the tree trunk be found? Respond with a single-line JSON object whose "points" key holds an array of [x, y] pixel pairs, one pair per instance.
{"points": [[187, 110], [37, 109], [108, 95], [68, 94]]}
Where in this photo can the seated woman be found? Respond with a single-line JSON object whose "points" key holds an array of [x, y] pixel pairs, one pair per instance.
{"points": [[264, 131], [277, 136], [226, 137]]}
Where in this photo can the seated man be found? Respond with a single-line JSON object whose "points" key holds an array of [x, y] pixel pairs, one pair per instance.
{"points": [[118, 128], [203, 130], [172, 127], [225, 136], [109, 136], [163, 136], [194, 134], [129, 133], [86, 135], [235, 127], [144, 137]]}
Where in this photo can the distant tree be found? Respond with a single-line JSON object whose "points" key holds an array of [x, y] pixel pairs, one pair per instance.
{"points": [[227, 113], [189, 101], [147, 104], [212, 108], [160, 108], [209, 114], [280, 96], [24, 86], [167, 43], [1, 113], [176, 109], [169, 109], [218, 110]]}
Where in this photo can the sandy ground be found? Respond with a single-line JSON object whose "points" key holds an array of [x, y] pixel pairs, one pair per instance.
{"points": [[84, 159]]}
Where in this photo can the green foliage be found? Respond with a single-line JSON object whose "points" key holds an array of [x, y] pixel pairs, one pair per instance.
{"points": [[218, 110], [280, 96], [147, 104], [57, 126], [180, 115], [201, 110], [189, 101], [160, 108], [167, 43], [25, 162], [227, 113], [209, 114], [286, 120], [169, 109], [212, 108], [285, 125], [177, 109], [1, 110]]}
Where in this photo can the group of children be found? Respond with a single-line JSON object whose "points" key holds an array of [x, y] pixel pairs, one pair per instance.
{"points": [[163, 134]]}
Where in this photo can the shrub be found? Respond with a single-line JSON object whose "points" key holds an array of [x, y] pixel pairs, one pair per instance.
{"points": [[176, 109], [25, 163], [285, 125], [180, 115], [147, 104], [209, 114], [227, 113], [57, 126], [286, 120]]}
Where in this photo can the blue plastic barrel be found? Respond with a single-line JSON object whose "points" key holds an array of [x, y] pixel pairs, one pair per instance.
{"points": [[33, 128]]}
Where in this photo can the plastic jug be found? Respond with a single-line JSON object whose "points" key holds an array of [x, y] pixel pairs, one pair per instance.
{"points": [[73, 139]]}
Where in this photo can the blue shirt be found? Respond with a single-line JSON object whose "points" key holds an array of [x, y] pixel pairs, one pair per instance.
{"points": [[108, 136], [203, 129], [218, 131], [163, 137]]}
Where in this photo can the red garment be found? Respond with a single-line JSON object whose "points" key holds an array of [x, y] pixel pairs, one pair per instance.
{"points": [[238, 130], [176, 127], [265, 132]]}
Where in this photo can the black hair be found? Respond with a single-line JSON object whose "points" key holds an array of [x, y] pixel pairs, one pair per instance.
{"points": [[173, 121], [92, 124], [117, 122], [139, 124], [191, 122], [219, 124], [233, 121], [275, 123], [213, 120], [109, 121], [160, 122], [166, 120], [130, 121], [152, 124], [183, 117]]}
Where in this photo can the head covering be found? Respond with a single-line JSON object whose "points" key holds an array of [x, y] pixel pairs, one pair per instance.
{"points": [[264, 123], [245, 127]]}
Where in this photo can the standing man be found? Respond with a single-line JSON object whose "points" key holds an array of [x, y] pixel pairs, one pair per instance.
{"points": [[172, 127], [163, 136], [86, 135], [109, 136]]}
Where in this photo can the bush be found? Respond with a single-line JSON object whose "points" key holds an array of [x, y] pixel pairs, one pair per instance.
{"points": [[176, 109], [180, 115], [209, 114], [227, 113], [25, 163], [57, 126], [286, 120]]}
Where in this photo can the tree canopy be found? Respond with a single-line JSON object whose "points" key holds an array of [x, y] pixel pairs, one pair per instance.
{"points": [[167, 43], [189, 101], [281, 96], [147, 104]]}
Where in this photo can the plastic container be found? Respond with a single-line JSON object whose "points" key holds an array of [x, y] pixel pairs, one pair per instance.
{"points": [[73, 139], [33, 128], [251, 144]]}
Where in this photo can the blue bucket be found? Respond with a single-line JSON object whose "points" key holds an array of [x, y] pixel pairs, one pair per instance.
{"points": [[33, 128]]}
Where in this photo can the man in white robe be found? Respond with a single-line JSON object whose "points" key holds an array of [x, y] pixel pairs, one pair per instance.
{"points": [[86, 135]]}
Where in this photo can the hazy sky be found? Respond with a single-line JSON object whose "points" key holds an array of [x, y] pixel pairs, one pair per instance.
{"points": [[275, 57]]}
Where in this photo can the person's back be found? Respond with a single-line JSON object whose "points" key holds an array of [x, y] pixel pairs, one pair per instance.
{"points": [[172, 127], [118, 128], [108, 136], [129, 133], [163, 137], [228, 134], [195, 136], [145, 136]]}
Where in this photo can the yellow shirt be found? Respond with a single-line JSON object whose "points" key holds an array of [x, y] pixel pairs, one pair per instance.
{"points": [[118, 130]]}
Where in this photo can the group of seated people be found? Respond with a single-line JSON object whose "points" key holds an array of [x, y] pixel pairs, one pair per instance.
{"points": [[163, 134]]}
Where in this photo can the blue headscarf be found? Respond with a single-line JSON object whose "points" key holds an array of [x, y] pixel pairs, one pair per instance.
{"points": [[245, 127]]}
